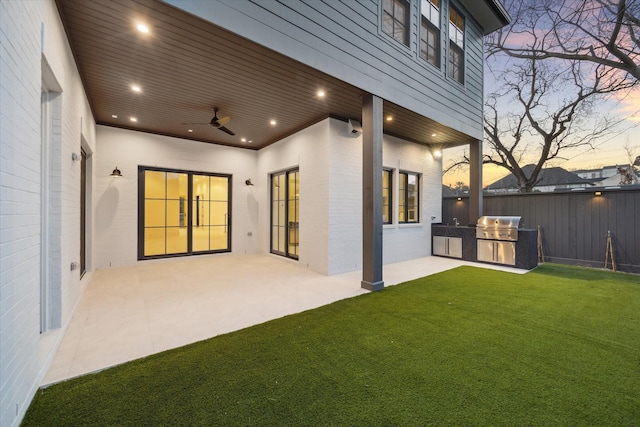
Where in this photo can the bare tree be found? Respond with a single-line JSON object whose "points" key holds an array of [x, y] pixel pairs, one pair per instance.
{"points": [[630, 173], [541, 110], [602, 32]]}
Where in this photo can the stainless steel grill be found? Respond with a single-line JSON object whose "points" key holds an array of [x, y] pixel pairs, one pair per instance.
{"points": [[498, 228], [497, 236]]}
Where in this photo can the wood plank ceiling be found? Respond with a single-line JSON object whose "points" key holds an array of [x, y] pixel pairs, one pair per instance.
{"points": [[186, 66]]}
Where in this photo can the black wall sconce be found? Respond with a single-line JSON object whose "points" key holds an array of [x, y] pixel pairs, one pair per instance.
{"points": [[116, 173], [249, 183]]}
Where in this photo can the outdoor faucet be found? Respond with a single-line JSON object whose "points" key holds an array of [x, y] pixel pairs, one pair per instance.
{"points": [[455, 222]]}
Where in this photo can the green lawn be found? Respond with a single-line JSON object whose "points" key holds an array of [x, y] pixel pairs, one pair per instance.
{"points": [[557, 346]]}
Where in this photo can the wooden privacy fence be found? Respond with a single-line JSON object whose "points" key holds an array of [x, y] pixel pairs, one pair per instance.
{"points": [[574, 224]]}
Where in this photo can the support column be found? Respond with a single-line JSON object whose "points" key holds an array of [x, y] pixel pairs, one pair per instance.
{"points": [[372, 192], [475, 181]]}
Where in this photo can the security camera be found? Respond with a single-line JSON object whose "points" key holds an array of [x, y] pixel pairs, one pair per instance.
{"points": [[354, 129]]}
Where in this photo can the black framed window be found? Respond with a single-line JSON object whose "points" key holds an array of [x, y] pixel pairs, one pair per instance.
{"points": [[395, 19], [387, 191], [408, 197], [456, 45], [430, 32], [182, 212]]}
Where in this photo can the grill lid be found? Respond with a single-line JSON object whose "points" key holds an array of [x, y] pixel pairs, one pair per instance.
{"points": [[498, 222]]}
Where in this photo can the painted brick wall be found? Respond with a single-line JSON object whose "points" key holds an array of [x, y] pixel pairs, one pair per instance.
{"points": [[400, 242], [309, 151], [116, 199], [19, 204], [29, 32]]}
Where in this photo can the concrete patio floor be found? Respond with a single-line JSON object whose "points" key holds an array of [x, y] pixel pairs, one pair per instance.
{"points": [[131, 312]]}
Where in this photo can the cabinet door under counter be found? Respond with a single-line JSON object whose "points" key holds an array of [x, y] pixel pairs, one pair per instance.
{"points": [[447, 246]]}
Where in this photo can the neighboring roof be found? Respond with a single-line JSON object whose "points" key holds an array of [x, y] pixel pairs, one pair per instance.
{"points": [[490, 14], [547, 177], [449, 192]]}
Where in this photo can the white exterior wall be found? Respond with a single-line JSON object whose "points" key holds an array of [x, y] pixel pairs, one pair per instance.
{"points": [[29, 33], [116, 200], [400, 241], [309, 151]]}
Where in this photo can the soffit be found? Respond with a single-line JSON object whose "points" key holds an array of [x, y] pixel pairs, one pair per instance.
{"points": [[186, 66]]}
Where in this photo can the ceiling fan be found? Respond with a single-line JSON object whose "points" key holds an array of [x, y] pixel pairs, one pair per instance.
{"points": [[216, 122]]}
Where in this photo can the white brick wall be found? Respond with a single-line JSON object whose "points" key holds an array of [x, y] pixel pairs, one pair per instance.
{"points": [[24, 352], [116, 199], [308, 150], [400, 242]]}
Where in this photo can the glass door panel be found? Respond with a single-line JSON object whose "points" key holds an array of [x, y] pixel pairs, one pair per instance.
{"points": [[211, 212], [183, 213], [285, 217]]}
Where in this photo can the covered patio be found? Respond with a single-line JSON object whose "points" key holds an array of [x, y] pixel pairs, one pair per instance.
{"points": [[131, 312]]}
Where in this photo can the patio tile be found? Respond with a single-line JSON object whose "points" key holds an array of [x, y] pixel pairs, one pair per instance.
{"points": [[132, 312]]}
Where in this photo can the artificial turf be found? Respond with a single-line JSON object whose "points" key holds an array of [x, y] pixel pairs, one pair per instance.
{"points": [[470, 346]]}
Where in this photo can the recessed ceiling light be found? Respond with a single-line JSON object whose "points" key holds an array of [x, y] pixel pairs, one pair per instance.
{"points": [[433, 135], [133, 119], [136, 88], [389, 118], [273, 122], [320, 93], [249, 141], [243, 139], [190, 130], [114, 116], [143, 28]]}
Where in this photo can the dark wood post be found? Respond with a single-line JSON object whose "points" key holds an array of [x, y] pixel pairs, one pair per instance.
{"points": [[372, 192], [475, 182]]}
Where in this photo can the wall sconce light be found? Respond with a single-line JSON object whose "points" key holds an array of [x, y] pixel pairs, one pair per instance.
{"points": [[75, 157], [249, 183], [116, 173], [436, 151], [598, 193]]}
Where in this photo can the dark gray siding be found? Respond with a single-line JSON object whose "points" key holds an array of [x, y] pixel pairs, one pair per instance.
{"points": [[574, 225], [344, 40]]}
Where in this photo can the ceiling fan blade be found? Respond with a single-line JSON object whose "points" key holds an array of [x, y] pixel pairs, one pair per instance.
{"points": [[225, 130], [224, 120]]}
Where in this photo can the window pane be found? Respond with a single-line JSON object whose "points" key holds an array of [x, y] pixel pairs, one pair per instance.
{"points": [[274, 238], [154, 185], [219, 239], [154, 241], [201, 187], [386, 196], [218, 213], [154, 213], [176, 213], [281, 231], [219, 188], [275, 216], [176, 240], [200, 240], [177, 185]]}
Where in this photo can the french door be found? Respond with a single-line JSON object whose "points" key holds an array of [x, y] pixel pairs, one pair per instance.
{"points": [[182, 213], [285, 213]]}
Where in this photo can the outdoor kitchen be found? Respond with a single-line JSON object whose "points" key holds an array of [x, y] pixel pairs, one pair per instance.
{"points": [[493, 239]]}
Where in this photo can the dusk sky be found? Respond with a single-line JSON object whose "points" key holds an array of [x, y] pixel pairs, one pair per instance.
{"points": [[609, 150]]}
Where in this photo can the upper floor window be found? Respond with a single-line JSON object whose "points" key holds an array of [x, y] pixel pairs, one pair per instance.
{"points": [[395, 19], [408, 197], [456, 45], [430, 32]]}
